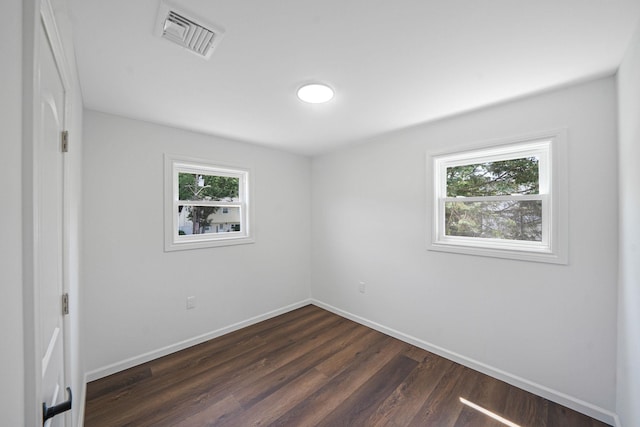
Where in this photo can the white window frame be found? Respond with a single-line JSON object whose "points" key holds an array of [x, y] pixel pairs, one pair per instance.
{"points": [[174, 165], [550, 148]]}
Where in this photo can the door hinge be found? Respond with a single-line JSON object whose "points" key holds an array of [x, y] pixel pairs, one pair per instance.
{"points": [[65, 141], [65, 303]]}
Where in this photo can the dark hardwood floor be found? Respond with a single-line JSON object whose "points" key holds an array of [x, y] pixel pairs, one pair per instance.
{"points": [[310, 367]]}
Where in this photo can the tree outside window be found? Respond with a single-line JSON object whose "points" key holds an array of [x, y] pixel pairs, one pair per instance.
{"points": [[206, 205], [194, 187], [499, 219], [502, 200]]}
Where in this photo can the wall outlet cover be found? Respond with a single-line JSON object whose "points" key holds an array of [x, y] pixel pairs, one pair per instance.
{"points": [[191, 303]]}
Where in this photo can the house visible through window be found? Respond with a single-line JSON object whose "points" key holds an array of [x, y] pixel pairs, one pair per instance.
{"points": [[208, 205], [498, 201]]}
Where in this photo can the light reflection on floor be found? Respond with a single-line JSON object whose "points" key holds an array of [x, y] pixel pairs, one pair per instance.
{"points": [[488, 413]]}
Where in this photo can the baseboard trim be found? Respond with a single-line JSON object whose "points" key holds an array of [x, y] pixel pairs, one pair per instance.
{"points": [[155, 354], [617, 422], [574, 403]]}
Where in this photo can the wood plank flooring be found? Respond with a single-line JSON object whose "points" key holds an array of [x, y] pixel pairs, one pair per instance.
{"points": [[310, 367]]}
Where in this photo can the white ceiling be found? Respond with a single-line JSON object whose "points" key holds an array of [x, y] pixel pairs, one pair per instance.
{"points": [[393, 63]]}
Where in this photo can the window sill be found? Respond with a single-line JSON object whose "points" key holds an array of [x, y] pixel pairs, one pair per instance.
{"points": [[214, 243], [521, 255]]}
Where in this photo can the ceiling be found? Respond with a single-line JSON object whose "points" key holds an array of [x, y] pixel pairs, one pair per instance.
{"points": [[393, 64]]}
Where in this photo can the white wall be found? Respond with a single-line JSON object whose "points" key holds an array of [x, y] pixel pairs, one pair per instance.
{"points": [[629, 282], [135, 293], [550, 328], [11, 356]]}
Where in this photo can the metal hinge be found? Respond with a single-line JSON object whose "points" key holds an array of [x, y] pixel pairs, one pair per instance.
{"points": [[65, 303], [65, 141]]}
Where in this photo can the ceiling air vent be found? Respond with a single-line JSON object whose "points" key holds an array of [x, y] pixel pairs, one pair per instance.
{"points": [[182, 29]]}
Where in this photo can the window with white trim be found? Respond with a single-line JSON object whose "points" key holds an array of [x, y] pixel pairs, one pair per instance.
{"points": [[500, 201], [206, 204]]}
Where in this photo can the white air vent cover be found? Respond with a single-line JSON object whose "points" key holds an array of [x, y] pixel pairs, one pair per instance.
{"points": [[181, 28]]}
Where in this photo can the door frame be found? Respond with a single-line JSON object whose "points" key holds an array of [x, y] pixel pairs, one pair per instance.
{"points": [[39, 14]]}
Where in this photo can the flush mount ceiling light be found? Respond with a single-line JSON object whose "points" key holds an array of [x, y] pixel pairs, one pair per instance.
{"points": [[315, 93]]}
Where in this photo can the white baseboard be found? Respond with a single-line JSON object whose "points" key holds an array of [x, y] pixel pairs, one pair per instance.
{"points": [[155, 354], [617, 422], [530, 386]]}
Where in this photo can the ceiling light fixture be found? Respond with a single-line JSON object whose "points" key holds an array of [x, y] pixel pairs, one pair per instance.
{"points": [[315, 93]]}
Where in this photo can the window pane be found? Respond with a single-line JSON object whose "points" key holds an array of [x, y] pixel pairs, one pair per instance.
{"points": [[207, 219], [500, 178], [510, 220], [208, 187]]}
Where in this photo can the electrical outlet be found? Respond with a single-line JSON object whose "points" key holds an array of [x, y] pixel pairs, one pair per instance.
{"points": [[361, 287], [191, 303]]}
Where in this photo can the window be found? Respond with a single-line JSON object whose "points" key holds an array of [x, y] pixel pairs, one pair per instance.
{"points": [[206, 205], [501, 200]]}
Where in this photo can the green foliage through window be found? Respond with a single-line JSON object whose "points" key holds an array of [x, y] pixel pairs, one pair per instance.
{"points": [[511, 220], [207, 187], [498, 219], [501, 178], [200, 187]]}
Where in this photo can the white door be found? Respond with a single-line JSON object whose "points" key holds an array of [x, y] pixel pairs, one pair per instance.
{"points": [[49, 245]]}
